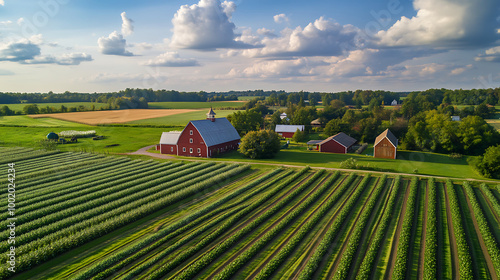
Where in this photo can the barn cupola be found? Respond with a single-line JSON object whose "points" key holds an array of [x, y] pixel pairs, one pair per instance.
{"points": [[211, 115]]}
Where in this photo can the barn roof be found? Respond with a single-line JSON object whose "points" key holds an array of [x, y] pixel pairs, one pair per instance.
{"points": [[216, 132], [170, 138], [387, 134], [341, 138], [288, 128]]}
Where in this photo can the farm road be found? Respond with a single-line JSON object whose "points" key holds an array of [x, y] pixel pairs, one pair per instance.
{"points": [[144, 151]]}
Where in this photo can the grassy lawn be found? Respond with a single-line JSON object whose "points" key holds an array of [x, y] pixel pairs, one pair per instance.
{"points": [[406, 162], [88, 105], [193, 105], [41, 122], [129, 139], [494, 123], [182, 119]]}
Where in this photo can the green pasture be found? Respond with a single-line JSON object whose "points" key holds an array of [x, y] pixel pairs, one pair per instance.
{"points": [[194, 105], [407, 162], [87, 105], [117, 139], [39, 122], [182, 119], [247, 98]]}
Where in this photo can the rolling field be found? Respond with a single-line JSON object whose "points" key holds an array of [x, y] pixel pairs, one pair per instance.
{"points": [[84, 216], [181, 119], [113, 116]]}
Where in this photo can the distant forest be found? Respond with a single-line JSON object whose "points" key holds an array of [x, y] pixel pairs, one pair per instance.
{"points": [[282, 98]]}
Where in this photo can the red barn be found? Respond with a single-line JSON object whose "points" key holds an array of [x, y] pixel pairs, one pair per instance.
{"points": [[287, 131], [339, 143], [202, 138], [386, 145]]}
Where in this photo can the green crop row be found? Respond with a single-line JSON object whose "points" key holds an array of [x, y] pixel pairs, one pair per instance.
{"points": [[25, 156], [325, 244], [194, 268], [493, 200], [134, 252], [304, 229], [464, 257], [366, 267], [56, 160], [401, 265], [430, 253], [107, 204], [245, 256], [67, 176], [188, 252], [126, 173], [484, 228], [346, 260], [40, 214], [140, 208]]}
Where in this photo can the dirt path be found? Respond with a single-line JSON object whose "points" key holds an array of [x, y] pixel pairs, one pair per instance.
{"points": [[143, 151], [316, 239], [484, 249], [421, 260], [395, 241], [292, 234], [453, 241], [224, 237], [335, 264]]}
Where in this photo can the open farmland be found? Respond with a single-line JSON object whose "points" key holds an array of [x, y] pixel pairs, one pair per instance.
{"points": [[494, 123], [196, 105], [113, 116], [87, 105], [83, 215]]}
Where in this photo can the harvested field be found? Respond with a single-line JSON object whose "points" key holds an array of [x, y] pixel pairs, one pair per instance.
{"points": [[114, 116]]}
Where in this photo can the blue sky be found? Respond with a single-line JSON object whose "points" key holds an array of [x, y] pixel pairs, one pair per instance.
{"points": [[213, 45]]}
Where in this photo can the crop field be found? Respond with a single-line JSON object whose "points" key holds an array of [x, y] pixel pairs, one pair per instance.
{"points": [[86, 216], [494, 123], [181, 119]]}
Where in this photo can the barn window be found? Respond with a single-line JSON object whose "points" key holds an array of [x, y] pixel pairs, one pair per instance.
{"points": [[184, 149], [199, 150], [190, 132], [171, 149], [190, 140], [191, 150]]}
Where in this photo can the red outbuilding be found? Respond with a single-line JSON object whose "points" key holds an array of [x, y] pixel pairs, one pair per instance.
{"points": [[386, 145], [202, 138], [287, 131], [339, 143]]}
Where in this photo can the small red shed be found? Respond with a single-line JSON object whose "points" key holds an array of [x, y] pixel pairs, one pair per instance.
{"points": [[339, 143], [287, 131], [386, 145]]}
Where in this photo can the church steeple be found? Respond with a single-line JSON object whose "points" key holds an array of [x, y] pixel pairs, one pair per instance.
{"points": [[211, 115]]}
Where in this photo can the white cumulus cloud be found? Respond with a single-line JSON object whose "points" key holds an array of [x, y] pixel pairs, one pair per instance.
{"points": [[319, 38], [65, 59], [127, 27], [171, 59], [2, 3], [448, 23], [490, 55], [205, 26], [19, 51], [114, 44], [281, 18]]}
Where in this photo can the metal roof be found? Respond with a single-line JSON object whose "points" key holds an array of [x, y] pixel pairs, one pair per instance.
{"points": [[341, 138], [170, 138], [314, 142], [216, 132], [387, 133], [288, 128]]}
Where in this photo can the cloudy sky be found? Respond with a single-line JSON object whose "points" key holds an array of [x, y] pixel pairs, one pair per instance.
{"points": [[213, 45]]}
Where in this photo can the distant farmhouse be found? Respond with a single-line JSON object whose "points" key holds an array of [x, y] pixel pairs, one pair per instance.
{"points": [[202, 138], [394, 102], [386, 145], [287, 131], [455, 118], [284, 116], [339, 143]]}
